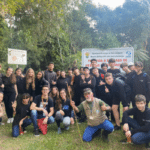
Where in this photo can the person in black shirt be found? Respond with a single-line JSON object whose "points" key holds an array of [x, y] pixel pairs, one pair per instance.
{"points": [[58, 74], [50, 75], [104, 67], [42, 107], [21, 119], [10, 92], [138, 129], [63, 82], [29, 83], [1, 82], [64, 113], [54, 95], [94, 65], [115, 91], [140, 83], [20, 86], [1, 109], [100, 84], [112, 69], [39, 82], [76, 86], [70, 75]]}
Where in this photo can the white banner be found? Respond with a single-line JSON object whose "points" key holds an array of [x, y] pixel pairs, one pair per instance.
{"points": [[16, 56], [123, 54]]}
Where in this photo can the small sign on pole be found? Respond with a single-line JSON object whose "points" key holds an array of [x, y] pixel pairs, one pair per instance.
{"points": [[18, 57]]}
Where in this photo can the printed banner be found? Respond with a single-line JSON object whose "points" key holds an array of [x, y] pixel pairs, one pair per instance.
{"points": [[123, 54]]}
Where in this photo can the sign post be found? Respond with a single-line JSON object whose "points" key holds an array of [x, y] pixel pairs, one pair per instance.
{"points": [[123, 54], [18, 57]]}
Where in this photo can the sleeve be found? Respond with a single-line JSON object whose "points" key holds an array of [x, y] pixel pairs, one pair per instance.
{"points": [[144, 128], [148, 84], [128, 113], [36, 99], [51, 103], [122, 94], [80, 107], [101, 103]]}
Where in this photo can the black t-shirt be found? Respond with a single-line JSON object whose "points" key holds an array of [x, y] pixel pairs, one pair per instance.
{"points": [[142, 118], [66, 107], [21, 112], [62, 83], [38, 85], [8, 86], [20, 86], [38, 102], [113, 71]]}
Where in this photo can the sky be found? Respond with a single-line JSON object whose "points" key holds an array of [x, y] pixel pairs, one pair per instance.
{"points": [[112, 4]]}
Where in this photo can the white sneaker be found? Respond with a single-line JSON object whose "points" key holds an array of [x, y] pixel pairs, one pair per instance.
{"points": [[9, 120]]}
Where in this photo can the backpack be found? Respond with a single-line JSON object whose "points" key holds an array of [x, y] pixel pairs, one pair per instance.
{"points": [[127, 88]]}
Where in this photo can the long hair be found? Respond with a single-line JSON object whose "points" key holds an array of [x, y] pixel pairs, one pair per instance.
{"points": [[12, 77], [27, 79], [59, 101], [52, 95]]}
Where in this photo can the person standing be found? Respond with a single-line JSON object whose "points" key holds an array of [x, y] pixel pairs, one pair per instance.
{"points": [[140, 83], [94, 65], [50, 75], [10, 92], [39, 83], [112, 69]]}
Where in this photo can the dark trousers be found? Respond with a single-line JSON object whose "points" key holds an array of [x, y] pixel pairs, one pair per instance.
{"points": [[8, 99], [139, 137], [0, 119]]}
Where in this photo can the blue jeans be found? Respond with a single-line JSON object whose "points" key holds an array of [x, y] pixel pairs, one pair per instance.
{"points": [[139, 137], [35, 116], [15, 129], [59, 118], [89, 131]]}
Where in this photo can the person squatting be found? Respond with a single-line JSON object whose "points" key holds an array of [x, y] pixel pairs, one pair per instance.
{"points": [[85, 94]]}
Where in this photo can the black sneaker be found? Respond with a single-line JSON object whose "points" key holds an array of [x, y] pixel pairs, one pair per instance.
{"points": [[36, 133], [147, 145], [105, 136], [117, 127]]}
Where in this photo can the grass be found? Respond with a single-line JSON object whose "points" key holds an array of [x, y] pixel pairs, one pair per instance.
{"points": [[68, 140]]}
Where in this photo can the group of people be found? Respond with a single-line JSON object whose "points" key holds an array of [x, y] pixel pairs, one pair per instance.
{"points": [[85, 94]]}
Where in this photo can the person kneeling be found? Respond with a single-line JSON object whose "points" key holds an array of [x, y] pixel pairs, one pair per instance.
{"points": [[96, 118], [42, 107], [140, 123], [21, 119], [64, 113]]}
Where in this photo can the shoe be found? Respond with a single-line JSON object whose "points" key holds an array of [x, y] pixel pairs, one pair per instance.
{"points": [[67, 128], [24, 130], [21, 132], [1, 123], [36, 133], [105, 136], [147, 145], [9, 120], [59, 131], [117, 127]]}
